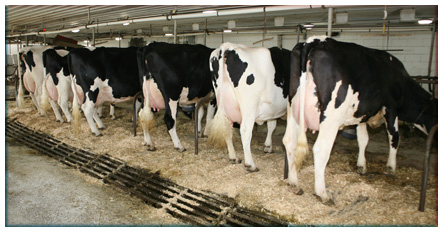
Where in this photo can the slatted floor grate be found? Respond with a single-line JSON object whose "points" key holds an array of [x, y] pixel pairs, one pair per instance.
{"points": [[192, 206]]}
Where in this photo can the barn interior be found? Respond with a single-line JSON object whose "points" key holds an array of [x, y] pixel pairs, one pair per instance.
{"points": [[408, 32]]}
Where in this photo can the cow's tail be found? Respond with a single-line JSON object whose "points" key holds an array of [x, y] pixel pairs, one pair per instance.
{"points": [[20, 99], [44, 105], [302, 149], [220, 127], [76, 115]]}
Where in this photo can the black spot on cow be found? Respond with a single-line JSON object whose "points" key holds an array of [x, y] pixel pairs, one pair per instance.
{"points": [[281, 58], [214, 71], [250, 79], [341, 95], [236, 67], [29, 59], [93, 95]]}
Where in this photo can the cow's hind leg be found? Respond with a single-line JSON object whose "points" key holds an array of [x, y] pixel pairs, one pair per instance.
{"points": [[362, 139], [170, 120], [290, 143], [56, 110], [89, 111], [97, 119], [394, 139], [322, 151], [272, 124], [246, 128]]}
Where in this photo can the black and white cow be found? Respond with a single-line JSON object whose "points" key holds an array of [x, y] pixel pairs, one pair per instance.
{"points": [[101, 75], [251, 86], [334, 84], [57, 82], [31, 61], [173, 75]]}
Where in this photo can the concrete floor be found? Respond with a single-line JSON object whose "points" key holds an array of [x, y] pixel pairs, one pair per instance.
{"points": [[43, 192]]}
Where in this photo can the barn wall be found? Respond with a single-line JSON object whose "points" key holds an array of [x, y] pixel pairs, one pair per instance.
{"points": [[414, 46]]}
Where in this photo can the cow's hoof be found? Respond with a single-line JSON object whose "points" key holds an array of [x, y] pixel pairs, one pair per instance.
{"points": [[151, 148], [362, 171], [235, 161], [180, 149], [297, 191], [97, 135], [327, 201], [390, 171], [252, 169], [268, 149], [113, 117]]}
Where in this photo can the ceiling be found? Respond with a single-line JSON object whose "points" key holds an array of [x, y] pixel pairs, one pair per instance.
{"points": [[37, 21]]}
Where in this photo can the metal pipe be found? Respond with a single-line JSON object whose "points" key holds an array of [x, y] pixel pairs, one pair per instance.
{"points": [[184, 16], [330, 19], [431, 53], [424, 181], [175, 31]]}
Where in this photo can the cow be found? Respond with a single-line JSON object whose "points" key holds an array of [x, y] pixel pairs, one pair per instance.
{"points": [[31, 61], [334, 84], [57, 82], [251, 86], [100, 75], [173, 75]]}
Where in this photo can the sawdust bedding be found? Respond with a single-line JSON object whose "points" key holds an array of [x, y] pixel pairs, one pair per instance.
{"points": [[372, 199]]}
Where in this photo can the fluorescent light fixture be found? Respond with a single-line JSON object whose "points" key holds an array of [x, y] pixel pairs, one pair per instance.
{"points": [[227, 30], [424, 21], [169, 34], [209, 11], [308, 28], [118, 38], [86, 41], [76, 30], [308, 25], [125, 24]]}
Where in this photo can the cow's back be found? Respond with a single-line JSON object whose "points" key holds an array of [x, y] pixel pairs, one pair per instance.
{"points": [[117, 65], [182, 65]]}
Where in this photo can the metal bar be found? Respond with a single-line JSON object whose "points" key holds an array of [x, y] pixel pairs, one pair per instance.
{"points": [[426, 163]]}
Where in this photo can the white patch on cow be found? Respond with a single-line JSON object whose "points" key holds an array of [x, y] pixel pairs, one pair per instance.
{"points": [[319, 37], [245, 104]]}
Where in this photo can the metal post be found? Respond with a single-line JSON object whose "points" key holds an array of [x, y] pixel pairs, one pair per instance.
{"points": [[424, 181], [330, 19], [206, 31], [431, 53], [93, 37], [298, 33], [175, 31]]}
